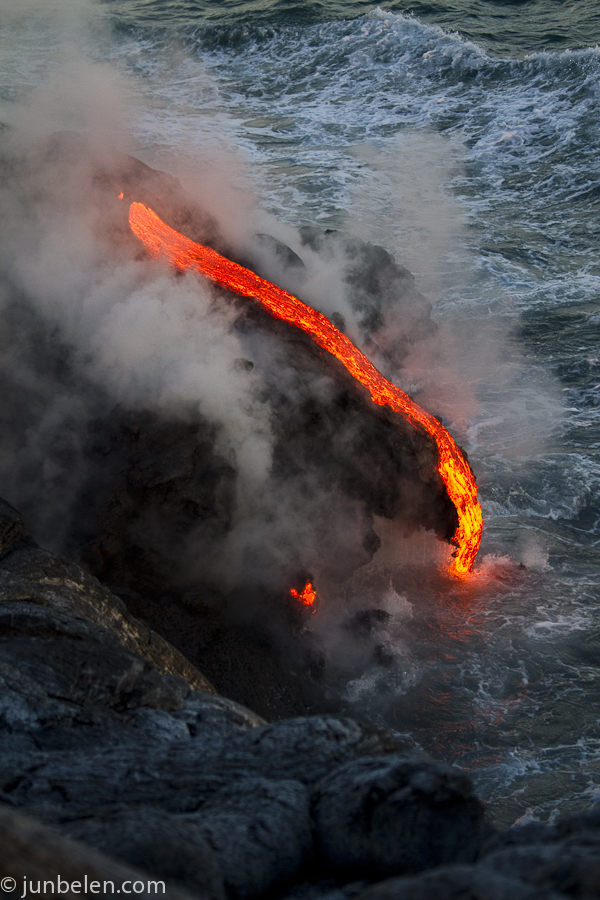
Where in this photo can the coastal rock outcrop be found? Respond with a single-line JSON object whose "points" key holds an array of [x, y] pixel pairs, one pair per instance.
{"points": [[375, 816], [118, 761], [188, 516], [195, 454]]}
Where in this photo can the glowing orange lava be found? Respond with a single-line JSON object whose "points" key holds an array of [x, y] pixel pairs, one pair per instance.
{"points": [[183, 253], [307, 595]]}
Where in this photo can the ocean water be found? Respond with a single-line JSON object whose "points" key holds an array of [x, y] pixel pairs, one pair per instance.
{"points": [[463, 136]]}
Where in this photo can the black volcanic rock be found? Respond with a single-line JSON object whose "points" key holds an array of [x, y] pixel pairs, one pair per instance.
{"points": [[42, 596], [376, 817], [155, 840], [12, 528], [149, 494], [375, 282], [31, 854], [564, 857], [325, 428], [457, 882], [106, 737], [118, 762]]}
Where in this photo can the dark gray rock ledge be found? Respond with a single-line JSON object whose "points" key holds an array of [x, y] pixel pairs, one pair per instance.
{"points": [[119, 761]]}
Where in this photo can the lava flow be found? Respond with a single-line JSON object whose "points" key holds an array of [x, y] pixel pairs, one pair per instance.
{"points": [[307, 595], [183, 253]]}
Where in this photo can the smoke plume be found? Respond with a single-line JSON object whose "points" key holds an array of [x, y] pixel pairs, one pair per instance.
{"points": [[149, 418]]}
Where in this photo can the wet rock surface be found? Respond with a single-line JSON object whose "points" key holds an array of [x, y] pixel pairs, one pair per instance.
{"points": [[118, 761]]}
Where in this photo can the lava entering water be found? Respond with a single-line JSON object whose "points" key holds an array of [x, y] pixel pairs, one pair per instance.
{"points": [[183, 253]]}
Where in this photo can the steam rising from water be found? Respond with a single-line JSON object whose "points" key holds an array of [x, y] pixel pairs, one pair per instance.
{"points": [[151, 342], [86, 332]]}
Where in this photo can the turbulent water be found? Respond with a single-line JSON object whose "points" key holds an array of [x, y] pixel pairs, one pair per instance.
{"points": [[463, 136]]}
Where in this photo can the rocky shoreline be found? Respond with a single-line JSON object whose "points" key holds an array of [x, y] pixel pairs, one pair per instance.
{"points": [[119, 760], [128, 746], [198, 456]]}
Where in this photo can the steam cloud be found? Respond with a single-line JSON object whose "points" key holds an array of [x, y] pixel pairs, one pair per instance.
{"points": [[84, 332]]}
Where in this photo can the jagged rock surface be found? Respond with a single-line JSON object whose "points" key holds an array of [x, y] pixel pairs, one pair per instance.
{"points": [[31, 854], [110, 736], [45, 596], [135, 769], [376, 816], [456, 883]]}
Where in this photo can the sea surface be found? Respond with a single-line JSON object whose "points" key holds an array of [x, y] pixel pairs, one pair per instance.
{"points": [[463, 136]]}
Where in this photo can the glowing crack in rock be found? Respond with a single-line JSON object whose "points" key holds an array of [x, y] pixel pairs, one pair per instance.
{"points": [[184, 254]]}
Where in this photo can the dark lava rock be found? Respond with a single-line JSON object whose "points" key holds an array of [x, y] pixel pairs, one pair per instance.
{"points": [[251, 834], [327, 889], [162, 843], [260, 832], [377, 817], [142, 483], [564, 857], [118, 762], [31, 854], [374, 281], [12, 528], [43, 597], [308, 748], [110, 736], [460, 882]]}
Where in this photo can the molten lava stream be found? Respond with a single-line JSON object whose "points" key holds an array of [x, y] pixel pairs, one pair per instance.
{"points": [[183, 253], [307, 596]]}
